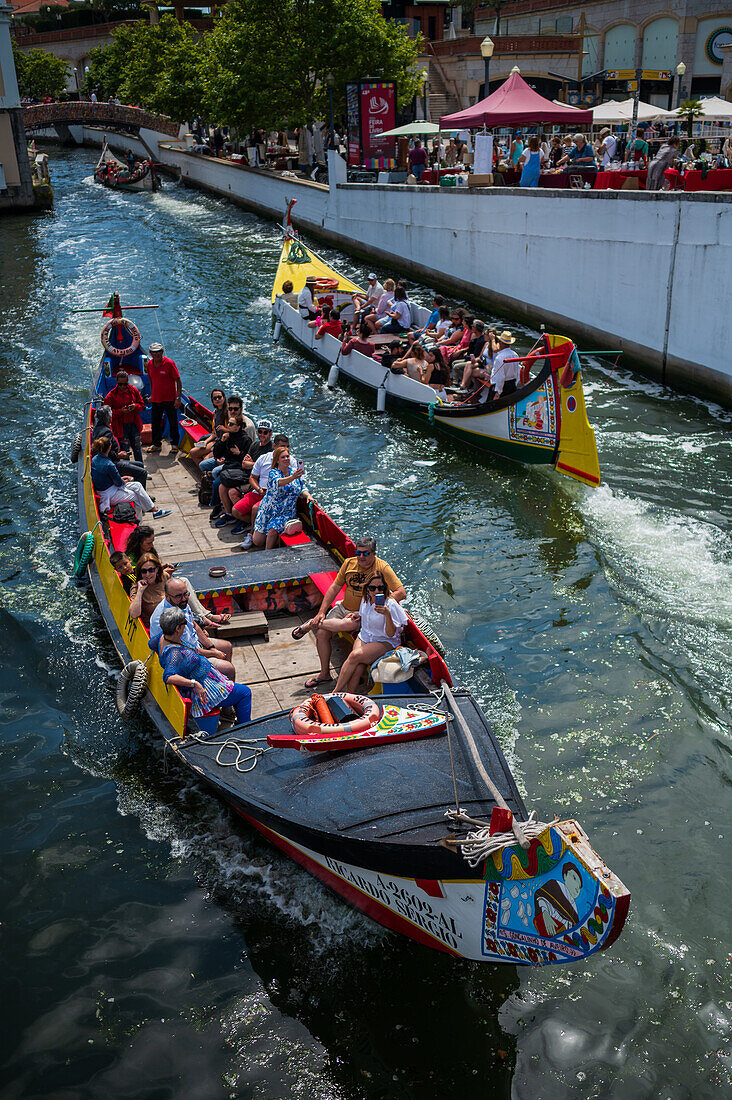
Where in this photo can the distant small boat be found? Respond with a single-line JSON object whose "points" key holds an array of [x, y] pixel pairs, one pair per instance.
{"points": [[544, 422], [113, 172]]}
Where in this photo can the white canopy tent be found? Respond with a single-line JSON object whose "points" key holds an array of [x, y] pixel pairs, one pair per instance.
{"points": [[713, 109], [619, 111]]}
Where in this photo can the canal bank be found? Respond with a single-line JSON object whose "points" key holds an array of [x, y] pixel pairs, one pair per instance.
{"points": [[645, 273]]}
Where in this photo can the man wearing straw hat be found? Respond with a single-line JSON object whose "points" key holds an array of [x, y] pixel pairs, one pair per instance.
{"points": [[506, 367]]}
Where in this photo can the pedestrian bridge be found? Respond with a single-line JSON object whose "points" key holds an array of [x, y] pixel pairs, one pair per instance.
{"points": [[110, 116]]}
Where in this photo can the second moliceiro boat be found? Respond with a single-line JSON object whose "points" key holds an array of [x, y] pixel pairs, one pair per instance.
{"points": [[544, 422], [417, 819]]}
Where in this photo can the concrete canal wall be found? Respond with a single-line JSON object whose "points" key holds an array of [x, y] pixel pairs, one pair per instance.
{"points": [[649, 274]]}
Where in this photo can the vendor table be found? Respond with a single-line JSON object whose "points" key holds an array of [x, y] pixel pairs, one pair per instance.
{"points": [[563, 179], [430, 174], [615, 180], [718, 179]]}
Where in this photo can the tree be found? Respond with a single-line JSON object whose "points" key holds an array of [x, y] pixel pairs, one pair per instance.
{"points": [[39, 73], [689, 110], [267, 63], [156, 67]]}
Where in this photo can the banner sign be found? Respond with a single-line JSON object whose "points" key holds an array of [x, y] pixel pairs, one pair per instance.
{"points": [[378, 113], [370, 110]]}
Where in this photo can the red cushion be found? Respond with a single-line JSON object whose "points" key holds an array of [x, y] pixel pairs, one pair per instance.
{"points": [[120, 532]]}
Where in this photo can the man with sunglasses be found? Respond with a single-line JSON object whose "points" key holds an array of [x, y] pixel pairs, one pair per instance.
{"points": [[194, 636], [343, 616]]}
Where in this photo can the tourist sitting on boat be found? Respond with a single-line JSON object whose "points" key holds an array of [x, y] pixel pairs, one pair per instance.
{"points": [[121, 459], [148, 588], [429, 330], [113, 488], [330, 323], [465, 353], [359, 343], [343, 616], [379, 310], [245, 510], [580, 154], [214, 465], [141, 541], [414, 364], [305, 300], [122, 564], [397, 317], [477, 369], [239, 456], [195, 676], [506, 370], [381, 626], [204, 448], [279, 506], [289, 294], [126, 403], [459, 349], [176, 595], [454, 334], [438, 376], [365, 303]]}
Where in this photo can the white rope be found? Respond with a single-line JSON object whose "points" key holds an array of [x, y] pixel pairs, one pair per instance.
{"points": [[240, 747], [479, 844]]}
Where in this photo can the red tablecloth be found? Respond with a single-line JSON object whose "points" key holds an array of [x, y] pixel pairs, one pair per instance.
{"points": [[430, 174], [719, 179], [615, 180], [562, 179]]}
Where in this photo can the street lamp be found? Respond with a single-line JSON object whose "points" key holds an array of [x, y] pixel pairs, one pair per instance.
{"points": [[680, 70], [487, 47], [330, 81]]}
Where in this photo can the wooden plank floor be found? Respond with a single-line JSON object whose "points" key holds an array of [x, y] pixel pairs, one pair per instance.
{"points": [[275, 670]]}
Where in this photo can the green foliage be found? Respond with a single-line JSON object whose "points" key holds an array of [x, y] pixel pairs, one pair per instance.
{"points": [[268, 63], [689, 110], [263, 64], [39, 73], [155, 67]]}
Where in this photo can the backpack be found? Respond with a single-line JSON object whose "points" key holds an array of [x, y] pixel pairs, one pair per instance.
{"points": [[205, 489], [125, 513]]}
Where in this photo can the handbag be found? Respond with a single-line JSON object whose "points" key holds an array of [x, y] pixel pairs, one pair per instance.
{"points": [[292, 527], [125, 513]]}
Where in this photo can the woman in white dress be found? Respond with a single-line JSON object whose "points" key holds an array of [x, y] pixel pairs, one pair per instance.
{"points": [[382, 624]]}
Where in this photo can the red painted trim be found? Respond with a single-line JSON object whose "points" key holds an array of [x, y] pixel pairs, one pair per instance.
{"points": [[620, 915], [580, 473], [431, 886], [370, 906]]}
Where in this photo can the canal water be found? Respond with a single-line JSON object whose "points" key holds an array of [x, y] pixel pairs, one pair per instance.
{"points": [[152, 946]]}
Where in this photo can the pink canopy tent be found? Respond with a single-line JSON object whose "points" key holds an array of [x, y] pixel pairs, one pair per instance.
{"points": [[515, 104]]}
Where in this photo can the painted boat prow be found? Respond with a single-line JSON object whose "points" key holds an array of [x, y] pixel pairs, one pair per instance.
{"points": [[577, 453]]}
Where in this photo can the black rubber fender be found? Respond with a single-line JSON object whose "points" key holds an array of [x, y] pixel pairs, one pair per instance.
{"points": [[76, 447], [84, 552], [430, 634], [131, 687]]}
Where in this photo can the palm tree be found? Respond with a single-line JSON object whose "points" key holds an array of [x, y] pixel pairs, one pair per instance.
{"points": [[689, 110]]}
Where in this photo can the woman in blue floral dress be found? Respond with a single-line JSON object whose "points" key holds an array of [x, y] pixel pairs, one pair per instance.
{"points": [[280, 501]]}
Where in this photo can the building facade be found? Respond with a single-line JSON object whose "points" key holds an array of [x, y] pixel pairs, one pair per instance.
{"points": [[559, 45]]}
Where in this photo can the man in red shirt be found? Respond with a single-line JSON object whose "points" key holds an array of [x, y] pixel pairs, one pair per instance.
{"points": [[165, 397], [126, 403]]}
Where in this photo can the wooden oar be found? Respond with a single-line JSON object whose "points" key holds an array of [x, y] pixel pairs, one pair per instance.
{"points": [[475, 755]]}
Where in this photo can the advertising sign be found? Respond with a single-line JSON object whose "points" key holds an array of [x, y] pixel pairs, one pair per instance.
{"points": [[378, 113], [353, 118]]}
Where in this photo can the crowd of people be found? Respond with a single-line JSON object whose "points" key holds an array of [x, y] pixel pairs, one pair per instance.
{"points": [[456, 354]]}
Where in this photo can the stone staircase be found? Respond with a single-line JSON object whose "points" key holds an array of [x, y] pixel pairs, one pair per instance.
{"points": [[441, 99]]}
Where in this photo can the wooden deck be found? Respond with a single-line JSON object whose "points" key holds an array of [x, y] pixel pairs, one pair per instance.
{"points": [[275, 670]]}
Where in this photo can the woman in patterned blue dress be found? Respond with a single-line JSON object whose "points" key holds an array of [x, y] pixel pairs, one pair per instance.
{"points": [[280, 501], [195, 676]]}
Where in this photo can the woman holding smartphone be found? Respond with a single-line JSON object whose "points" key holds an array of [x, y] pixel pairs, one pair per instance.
{"points": [[279, 505], [382, 623]]}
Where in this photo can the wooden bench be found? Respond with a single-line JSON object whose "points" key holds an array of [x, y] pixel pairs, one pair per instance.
{"points": [[244, 624]]}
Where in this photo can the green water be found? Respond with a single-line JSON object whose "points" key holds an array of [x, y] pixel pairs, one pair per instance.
{"points": [[153, 947]]}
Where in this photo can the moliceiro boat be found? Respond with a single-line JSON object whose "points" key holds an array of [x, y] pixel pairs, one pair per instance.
{"points": [[113, 172], [543, 422], [399, 799]]}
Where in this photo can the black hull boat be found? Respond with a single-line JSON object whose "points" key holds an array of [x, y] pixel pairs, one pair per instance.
{"points": [[418, 821]]}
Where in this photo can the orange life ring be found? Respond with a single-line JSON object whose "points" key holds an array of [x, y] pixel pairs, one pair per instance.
{"points": [[326, 283], [304, 719], [133, 330]]}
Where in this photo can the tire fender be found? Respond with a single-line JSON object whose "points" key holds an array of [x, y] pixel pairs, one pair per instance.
{"points": [[131, 687], [84, 552], [76, 447]]}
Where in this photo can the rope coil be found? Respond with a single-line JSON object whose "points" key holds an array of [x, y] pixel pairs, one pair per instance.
{"points": [[478, 845]]}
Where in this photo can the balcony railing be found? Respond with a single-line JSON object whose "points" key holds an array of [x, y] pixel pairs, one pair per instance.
{"points": [[508, 44]]}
